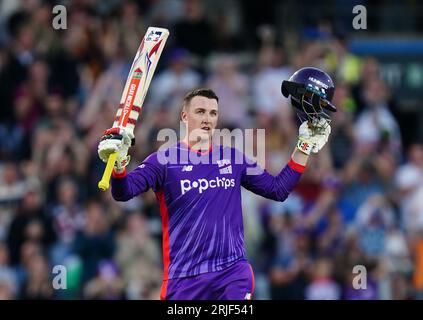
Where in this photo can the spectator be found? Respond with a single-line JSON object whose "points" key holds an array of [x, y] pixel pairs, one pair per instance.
{"points": [[171, 85], [94, 242], [372, 232], [137, 256], [107, 285], [323, 287], [289, 275], [361, 180], [12, 187], [29, 224], [344, 64], [342, 140], [38, 283], [409, 182], [194, 32], [272, 67], [6, 289], [8, 278], [68, 219], [231, 86], [376, 127]]}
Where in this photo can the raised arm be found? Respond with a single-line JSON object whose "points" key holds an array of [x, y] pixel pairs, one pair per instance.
{"points": [[273, 187], [279, 187], [150, 174]]}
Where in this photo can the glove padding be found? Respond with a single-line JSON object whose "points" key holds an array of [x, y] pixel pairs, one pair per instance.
{"points": [[116, 140], [312, 137]]}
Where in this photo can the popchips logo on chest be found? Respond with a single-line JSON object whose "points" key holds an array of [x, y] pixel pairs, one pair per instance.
{"points": [[203, 184]]}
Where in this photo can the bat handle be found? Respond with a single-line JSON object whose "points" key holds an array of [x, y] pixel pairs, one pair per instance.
{"points": [[104, 183]]}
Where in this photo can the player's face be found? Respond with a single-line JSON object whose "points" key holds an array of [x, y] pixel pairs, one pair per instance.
{"points": [[201, 116]]}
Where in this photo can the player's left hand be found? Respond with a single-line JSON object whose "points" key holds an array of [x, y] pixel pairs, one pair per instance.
{"points": [[313, 136]]}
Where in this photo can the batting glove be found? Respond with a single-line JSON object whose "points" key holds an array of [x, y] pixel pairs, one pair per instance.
{"points": [[116, 140], [312, 137]]}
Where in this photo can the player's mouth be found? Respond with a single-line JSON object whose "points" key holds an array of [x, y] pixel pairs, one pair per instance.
{"points": [[206, 128]]}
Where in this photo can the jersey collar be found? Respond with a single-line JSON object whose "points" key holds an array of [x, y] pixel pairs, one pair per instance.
{"points": [[189, 147]]}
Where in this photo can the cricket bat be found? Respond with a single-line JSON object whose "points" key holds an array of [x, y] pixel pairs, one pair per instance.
{"points": [[136, 87]]}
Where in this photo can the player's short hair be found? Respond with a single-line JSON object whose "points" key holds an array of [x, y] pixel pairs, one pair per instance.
{"points": [[202, 92]]}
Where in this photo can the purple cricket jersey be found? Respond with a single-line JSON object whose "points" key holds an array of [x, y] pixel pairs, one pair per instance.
{"points": [[200, 203]]}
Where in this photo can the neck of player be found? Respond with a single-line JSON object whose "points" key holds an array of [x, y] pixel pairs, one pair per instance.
{"points": [[202, 146]]}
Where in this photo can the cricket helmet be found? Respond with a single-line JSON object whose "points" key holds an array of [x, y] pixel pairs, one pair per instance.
{"points": [[311, 91]]}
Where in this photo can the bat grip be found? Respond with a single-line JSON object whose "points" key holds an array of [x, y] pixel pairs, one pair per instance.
{"points": [[105, 180]]}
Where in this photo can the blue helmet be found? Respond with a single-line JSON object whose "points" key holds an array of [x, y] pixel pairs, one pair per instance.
{"points": [[311, 91]]}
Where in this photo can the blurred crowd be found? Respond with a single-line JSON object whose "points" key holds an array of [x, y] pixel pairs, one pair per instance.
{"points": [[359, 203]]}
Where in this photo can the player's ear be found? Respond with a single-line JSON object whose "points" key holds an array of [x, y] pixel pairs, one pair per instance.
{"points": [[184, 115]]}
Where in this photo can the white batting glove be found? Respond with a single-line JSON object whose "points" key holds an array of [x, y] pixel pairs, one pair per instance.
{"points": [[312, 137], [116, 140]]}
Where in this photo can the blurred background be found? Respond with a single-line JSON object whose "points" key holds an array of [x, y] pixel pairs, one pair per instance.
{"points": [[360, 202]]}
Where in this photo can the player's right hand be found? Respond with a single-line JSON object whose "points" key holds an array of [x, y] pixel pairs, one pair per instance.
{"points": [[116, 140]]}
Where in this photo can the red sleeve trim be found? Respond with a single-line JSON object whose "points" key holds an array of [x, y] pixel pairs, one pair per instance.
{"points": [[296, 166], [119, 175]]}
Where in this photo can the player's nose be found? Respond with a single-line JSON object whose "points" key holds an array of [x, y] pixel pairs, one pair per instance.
{"points": [[206, 118]]}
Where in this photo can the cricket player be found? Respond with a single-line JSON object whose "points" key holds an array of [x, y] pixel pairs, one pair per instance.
{"points": [[200, 201]]}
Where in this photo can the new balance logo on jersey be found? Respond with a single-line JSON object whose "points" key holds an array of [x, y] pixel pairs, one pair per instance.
{"points": [[186, 168], [203, 184]]}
